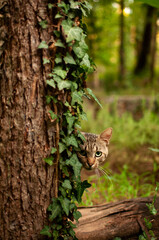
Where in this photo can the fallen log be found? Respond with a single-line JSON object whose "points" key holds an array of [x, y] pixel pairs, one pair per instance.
{"points": [[124, 219]]}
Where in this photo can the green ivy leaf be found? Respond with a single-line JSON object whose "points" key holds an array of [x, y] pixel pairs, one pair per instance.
{"points": [[43, 24], [45, 60], [49, 160], [42, 45], [64, 84], [70, 120], [65, 203], [74, 5], [53, 150], [50, 5], [85, 61], [64, 6], [58, 15], [93, 96], [55, 209], [51, 83], [71, 141], [76, 97], [60, 72], [73, 33], [58, 59], [81, 186], [52, 114], [58, 43], [69, 59], [76, 165], [46, 231], [77, 215], [62, 147], [67, 184]]}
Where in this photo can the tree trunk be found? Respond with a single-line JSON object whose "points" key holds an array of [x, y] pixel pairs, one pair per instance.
{"points": [[26, 134], [121, 48], [146, 41], [123, 219]]}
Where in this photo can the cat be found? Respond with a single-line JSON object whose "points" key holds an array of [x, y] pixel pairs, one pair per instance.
{"points": [[94, 149]]}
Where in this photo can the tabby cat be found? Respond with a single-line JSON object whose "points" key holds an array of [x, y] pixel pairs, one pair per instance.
{"points": [[94, 149]]}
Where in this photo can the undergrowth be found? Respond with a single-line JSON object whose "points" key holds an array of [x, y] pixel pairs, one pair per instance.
{"points": [[119, 186], [127, 132]]}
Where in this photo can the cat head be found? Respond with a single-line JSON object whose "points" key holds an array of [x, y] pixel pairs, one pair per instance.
{"points": [[94, 149]]}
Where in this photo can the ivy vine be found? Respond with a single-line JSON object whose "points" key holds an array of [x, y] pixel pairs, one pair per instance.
{"points": [[67, 87]]}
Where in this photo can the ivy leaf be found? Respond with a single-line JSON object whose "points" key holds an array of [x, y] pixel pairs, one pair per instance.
{"points": [[46, 231], [71, 140], [77, 215], [93, 96], [50, 5], [53, 150], [80, 48], [85, 61], [74, 34], [51, 83], [87, 6], [58, 59], [65, 203], [55, 209], [83, 116], [43, 44], [70, 120], [81, 186], [59, 44], [64, 84], [62, 147], [52, 114], [60, 72], [76, 97], [49, 160], [43, 24], [69, 59], [67, 184], [45, 60], [76, 165], [63, 191], [64, 6], [58, 15], [74, 5]]}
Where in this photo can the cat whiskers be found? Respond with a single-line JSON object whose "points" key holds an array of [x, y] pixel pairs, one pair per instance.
{"points": [[104, 173]]}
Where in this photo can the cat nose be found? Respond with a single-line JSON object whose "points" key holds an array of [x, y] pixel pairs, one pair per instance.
{"points": [[91, 161]]}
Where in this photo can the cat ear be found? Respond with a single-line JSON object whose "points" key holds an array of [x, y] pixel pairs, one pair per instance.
{"points": [[106, 135]]}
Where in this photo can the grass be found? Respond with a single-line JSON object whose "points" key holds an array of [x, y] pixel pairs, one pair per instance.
{"points": [[127, 132], [119, 186]]}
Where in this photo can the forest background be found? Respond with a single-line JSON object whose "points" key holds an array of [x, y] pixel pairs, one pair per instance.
{"points": [[123, 39]]}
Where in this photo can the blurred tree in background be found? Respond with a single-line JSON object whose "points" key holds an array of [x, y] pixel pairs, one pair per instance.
{"points": [[123, 42]]}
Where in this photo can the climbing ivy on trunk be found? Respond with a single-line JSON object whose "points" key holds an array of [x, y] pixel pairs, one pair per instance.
{"points": [[66, 90]]}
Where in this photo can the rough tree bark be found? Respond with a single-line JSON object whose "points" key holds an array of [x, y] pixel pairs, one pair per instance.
{"points": [[123, 219], [26, 134]]}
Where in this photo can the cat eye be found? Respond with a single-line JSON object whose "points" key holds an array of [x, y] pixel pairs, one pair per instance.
{"points": [[98, 154]]}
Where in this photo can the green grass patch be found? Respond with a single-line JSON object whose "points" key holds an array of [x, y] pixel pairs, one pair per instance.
{"points": [[119, 186], [127, 133]]}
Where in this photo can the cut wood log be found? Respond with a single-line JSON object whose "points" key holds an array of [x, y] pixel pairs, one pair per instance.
{"points": [[124, 219]]}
